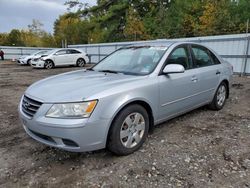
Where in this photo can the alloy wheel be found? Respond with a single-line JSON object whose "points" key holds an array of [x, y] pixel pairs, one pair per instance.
{"points": [[49, 65], [80, 62], [132, 130], [221, 95]]}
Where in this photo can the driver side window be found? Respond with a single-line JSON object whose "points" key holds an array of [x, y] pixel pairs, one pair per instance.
{"points": [[61, 52], [179, 56]]}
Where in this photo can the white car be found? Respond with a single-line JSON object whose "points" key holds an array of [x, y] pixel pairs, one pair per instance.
{"points": [[61, 57], [26, 60]]}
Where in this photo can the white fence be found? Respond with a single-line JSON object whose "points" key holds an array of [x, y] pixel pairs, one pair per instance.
{"points": [[233, 48], [11, 52]]}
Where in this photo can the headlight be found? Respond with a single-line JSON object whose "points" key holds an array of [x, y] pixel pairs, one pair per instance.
{"points": [[72, 110]]}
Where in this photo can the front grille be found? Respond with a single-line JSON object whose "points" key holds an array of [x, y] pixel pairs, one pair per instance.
{"points": [[30, 106]]}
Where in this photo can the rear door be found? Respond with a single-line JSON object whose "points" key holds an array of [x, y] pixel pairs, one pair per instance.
{"points": [[178, 90], [73, 55], [209, 71]]}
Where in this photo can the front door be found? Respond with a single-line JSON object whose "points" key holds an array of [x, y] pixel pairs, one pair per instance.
{"points": [[61, 57], [178, 90]]}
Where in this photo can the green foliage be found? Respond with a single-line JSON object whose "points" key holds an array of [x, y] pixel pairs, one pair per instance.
{"points": [[122, 20], [134, 28], [126, 20], [14, 38], [34, 36]]}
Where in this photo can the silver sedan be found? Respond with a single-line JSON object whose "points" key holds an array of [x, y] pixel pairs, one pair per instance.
{"points": [[114, 104]]}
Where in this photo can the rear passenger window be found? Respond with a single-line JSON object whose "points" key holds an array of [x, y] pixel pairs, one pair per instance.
{"points": [[201, 57], [215, 59], [179, 56], [73, 52]]}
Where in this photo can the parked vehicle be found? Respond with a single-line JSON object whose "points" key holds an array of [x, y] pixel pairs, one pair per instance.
{"points": [[115, 103], [26, 60], [37, 57], [61, 57]]}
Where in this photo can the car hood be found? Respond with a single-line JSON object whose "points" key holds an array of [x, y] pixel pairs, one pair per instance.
{"points": [[76, 86], [22, 57]]}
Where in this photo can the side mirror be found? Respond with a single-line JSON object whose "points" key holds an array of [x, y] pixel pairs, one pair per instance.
{"points": [[173, 68]]}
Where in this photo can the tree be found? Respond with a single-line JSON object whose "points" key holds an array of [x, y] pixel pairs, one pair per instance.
{"points": [[134, 28], [3, 39], [36, 27], [123, 20], [14, 38]]}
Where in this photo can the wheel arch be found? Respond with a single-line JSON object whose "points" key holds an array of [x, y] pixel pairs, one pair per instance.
{"points": [[50, 60], [227, 84], [81, 58], [140, 102]]}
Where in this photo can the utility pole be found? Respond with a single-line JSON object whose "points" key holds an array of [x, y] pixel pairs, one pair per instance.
{"points": [[65, 44], [62, 43], [247, 49], [247, 26]]}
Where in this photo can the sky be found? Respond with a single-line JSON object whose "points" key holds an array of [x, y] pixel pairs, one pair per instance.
{"points": [[18, 14]]}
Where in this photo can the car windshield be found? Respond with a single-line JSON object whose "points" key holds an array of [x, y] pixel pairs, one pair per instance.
{"points": [[136, 60], [49, 52], [41, 52], [35, 53]]}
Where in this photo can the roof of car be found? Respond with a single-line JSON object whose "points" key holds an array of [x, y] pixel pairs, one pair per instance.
{"points": [[160, 43], [153, 43]]}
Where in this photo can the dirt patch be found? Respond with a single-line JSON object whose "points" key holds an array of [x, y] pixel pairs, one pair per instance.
{"points": [[200, 149]]}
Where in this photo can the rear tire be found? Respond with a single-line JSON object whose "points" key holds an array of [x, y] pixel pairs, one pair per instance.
{"points": [[220, 96], [129, 130], [48, 64], [80, 62]]}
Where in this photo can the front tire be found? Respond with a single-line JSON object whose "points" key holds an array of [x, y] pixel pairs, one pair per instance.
{"points": [[48, 64], [129, 130], [220, 96], [29, 62], [80, 62]]}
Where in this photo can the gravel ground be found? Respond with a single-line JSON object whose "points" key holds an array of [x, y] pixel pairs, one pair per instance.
{"points": [[200, 149]]}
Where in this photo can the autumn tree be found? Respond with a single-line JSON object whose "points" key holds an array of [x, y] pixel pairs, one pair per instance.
{"points": [[134, 28], [124, 20]]}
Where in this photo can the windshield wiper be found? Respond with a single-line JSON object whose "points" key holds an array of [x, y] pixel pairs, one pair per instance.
{"points": [[108, 71]]}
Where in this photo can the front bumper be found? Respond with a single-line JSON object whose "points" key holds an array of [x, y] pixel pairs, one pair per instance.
{"points": [[37, 64], [77, 135]]}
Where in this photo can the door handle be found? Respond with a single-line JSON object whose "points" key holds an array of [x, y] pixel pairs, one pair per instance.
{"points": [[194, 79], [217, 72]]}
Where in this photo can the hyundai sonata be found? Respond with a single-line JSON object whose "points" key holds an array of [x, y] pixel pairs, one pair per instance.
{"points": [[115, 103]]}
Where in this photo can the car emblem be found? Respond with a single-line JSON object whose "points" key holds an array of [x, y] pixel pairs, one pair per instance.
{"points": [[26, 105]]}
